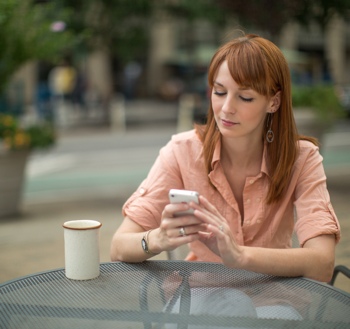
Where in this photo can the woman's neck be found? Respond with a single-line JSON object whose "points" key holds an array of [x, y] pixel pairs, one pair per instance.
{"points": [[242, 153]]}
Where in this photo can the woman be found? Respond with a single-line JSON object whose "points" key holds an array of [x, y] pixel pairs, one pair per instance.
{"points": [[251, 169]]}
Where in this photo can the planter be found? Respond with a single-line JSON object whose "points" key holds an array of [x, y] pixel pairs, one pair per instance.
{"points": [[12, 175]]}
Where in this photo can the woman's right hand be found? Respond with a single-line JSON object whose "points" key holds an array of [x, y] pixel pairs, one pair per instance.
{"points": [[175, 231], [167, 237]]}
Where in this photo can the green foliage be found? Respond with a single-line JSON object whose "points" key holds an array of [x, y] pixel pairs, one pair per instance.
{"points": [[14, 136], [273, 15], [319, 11], [121, 26], [41, 135], [197, 9], [25, 35], [322, 99]]}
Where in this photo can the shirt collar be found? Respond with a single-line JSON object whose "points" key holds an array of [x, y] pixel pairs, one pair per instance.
{"points": [[217, 156]]}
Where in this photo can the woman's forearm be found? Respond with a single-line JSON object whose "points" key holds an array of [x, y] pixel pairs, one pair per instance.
{"points": [[127, 247], [312, 262], [126, 243]]}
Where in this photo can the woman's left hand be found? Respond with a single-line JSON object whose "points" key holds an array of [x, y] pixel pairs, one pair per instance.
{"points": [[218, 236]]}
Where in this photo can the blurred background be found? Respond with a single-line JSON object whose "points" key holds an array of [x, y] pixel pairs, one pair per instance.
{"points": [[153, 49], [113, 80]]}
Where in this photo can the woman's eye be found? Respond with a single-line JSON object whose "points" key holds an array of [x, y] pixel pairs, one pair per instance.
{"points": [[244, 99], [219, 93]]}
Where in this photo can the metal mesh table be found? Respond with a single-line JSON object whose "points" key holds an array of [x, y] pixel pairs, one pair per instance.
{"points": [[171, 294]]}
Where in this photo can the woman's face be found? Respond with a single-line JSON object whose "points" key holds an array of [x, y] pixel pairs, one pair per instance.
{"points": [[239, 112]]}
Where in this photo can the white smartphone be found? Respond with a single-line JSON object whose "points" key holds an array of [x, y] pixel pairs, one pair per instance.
{"points": [[183, 196]]}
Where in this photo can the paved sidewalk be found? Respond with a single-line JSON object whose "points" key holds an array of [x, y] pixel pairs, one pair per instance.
{"points": [[33, 242]]}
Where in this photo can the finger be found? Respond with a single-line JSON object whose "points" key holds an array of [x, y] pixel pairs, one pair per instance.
{"points": [[203, 236], [172, 208], [208, 216], [207, 205], [218, 230], [206, 208], [194, 229], [183, 237]]}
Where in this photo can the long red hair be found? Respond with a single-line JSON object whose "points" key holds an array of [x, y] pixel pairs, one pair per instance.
{"points": [[257, 63]]}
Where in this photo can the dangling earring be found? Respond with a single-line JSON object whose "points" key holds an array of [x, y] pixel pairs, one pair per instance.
{"points": [[269, 135]]}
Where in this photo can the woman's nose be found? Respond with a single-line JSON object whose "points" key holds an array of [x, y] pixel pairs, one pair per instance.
{"points": [[229, 105]]}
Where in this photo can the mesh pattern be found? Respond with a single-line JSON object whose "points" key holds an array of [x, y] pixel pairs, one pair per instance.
{"points": [[171, 294]]}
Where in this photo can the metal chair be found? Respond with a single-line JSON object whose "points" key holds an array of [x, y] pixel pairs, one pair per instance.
{"points": [[339, 269]]}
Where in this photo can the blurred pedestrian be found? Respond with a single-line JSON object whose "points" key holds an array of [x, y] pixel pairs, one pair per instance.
{"points": [[43, 96], [132, 72], [44, 101], [79, 93], [62, 80]]}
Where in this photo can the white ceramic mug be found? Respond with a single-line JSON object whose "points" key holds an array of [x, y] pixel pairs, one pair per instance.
{"points": [[81, 249]]}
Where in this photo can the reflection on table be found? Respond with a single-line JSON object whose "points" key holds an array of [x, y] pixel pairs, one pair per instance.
{"points": [[171, 294]]}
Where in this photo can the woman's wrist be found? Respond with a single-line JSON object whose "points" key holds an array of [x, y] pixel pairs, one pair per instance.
{"points": [[241, 259], [146, 244]]}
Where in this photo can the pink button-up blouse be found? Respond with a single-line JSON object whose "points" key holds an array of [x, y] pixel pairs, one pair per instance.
{"points": [[305, 208]]}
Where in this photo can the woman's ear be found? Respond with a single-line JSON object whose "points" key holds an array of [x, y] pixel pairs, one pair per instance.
{"points": [[275, 102]]}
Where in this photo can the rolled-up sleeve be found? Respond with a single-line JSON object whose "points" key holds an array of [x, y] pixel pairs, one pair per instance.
{"points": [[314, 211], [146, 204]]}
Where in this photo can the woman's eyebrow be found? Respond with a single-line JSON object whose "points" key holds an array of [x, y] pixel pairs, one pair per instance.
{"points": [[218, 83]]}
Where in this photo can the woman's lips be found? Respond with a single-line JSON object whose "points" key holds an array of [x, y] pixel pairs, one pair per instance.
{"points": [[228, 123]]}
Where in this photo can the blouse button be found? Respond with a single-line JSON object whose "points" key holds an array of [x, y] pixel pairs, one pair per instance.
{"points": [[251, 181], [258, 221], [142, 191], [248, 201]]}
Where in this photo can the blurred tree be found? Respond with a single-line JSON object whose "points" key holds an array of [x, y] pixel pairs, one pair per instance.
{"points": [[320, 11], [114, 31], [26, 34], [271, 16], [119, 25], [195, 9], [119, 29], [189, 13]]}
